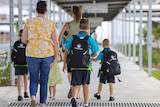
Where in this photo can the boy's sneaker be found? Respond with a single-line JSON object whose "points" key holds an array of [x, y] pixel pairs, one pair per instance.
{"points": [[26, 95], [97, 96], [20, 98], [111, 99], [73, 102]]}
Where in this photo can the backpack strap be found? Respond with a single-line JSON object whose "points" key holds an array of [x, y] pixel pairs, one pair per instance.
{"points": [[86, 38], [105, 53], [75, 36]]}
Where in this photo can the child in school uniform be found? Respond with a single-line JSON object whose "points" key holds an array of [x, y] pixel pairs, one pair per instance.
{"points": [[103, 78], [81, 76]]}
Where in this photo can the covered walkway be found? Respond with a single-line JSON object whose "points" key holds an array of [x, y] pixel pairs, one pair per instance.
{"points": [[136, 88]]}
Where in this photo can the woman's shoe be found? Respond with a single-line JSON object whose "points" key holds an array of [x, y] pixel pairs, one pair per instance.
{"points": [[33, 103]]}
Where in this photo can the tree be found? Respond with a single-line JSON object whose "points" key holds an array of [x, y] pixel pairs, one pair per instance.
{"points": [[156, 33], [144, 34]]}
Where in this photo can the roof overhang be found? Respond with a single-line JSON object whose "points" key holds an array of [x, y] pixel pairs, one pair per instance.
{"points": [[113, 8]]}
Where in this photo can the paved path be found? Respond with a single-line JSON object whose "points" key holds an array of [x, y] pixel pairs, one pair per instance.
{"points": [[136, 86]]}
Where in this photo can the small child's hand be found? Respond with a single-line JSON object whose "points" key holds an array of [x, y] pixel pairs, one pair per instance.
{"points": [[100, 62], [64, 67], [93, 59]]}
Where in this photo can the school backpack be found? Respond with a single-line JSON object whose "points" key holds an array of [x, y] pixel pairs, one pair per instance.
{"points": [[111, 66], [79, 54], [18, 53]]}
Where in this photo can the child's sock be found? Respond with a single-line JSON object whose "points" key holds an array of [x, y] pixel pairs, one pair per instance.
{"points": [[85, 105], [98, 94]]}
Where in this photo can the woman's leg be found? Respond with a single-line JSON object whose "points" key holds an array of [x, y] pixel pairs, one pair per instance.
{"points": [[44, 74], [34, 68]]}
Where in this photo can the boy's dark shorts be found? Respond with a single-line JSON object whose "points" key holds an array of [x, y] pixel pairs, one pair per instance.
{"points": [[104, 78], [68, 69], [80, 77], [21, 70]]}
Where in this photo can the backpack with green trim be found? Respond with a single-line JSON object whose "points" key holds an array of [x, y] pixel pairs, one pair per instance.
{"points": [[79, 54]]}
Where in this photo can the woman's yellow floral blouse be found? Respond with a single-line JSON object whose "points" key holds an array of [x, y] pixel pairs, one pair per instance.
{"points": [[40, 44]]}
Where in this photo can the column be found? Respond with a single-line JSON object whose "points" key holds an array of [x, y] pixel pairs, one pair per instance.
{"points": [[140, 38], [129, 33], [30, 8], [60, 19], [123, 31], [54, 5], [49, 9], [126, 32], [12, 74], [19, 15], [150, 38], [134, 32]]}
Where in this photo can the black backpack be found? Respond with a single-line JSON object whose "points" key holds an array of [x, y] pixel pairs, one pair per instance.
{"points": [[18, 53], [79, 54], [111, 66]]}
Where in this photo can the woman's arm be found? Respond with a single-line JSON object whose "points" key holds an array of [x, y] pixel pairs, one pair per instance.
{"points": [[24, 37], [65, 28], [65, 60], [56, 43]]}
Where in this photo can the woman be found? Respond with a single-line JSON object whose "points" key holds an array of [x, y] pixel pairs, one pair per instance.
{"points": [[69, 29], [40, 35]]}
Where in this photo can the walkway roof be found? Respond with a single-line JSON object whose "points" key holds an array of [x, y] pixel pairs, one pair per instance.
{"points": [[96, 10], [114, 7]]}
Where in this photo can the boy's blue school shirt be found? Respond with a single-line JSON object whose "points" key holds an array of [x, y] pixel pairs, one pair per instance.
{"points": [[82, 34], [100, 56]]}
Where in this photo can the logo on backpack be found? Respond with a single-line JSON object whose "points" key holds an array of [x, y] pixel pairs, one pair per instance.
{"points": [[79, 54], [111, 66], [18, 53]]}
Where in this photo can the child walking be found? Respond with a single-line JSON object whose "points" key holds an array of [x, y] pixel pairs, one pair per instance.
{"points": [[55, 78], [103, 77], [21, 67], [80, 71]]}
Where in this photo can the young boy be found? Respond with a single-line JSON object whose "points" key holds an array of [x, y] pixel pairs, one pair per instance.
{"points": [[103, 77], [20, 64], [80, 75]]}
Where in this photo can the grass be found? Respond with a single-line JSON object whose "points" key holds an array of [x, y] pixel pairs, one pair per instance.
{"points": [[6, 74], [155, 73]]}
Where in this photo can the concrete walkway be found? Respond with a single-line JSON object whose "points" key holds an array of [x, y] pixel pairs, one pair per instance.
{"points": [[136, 86]]}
